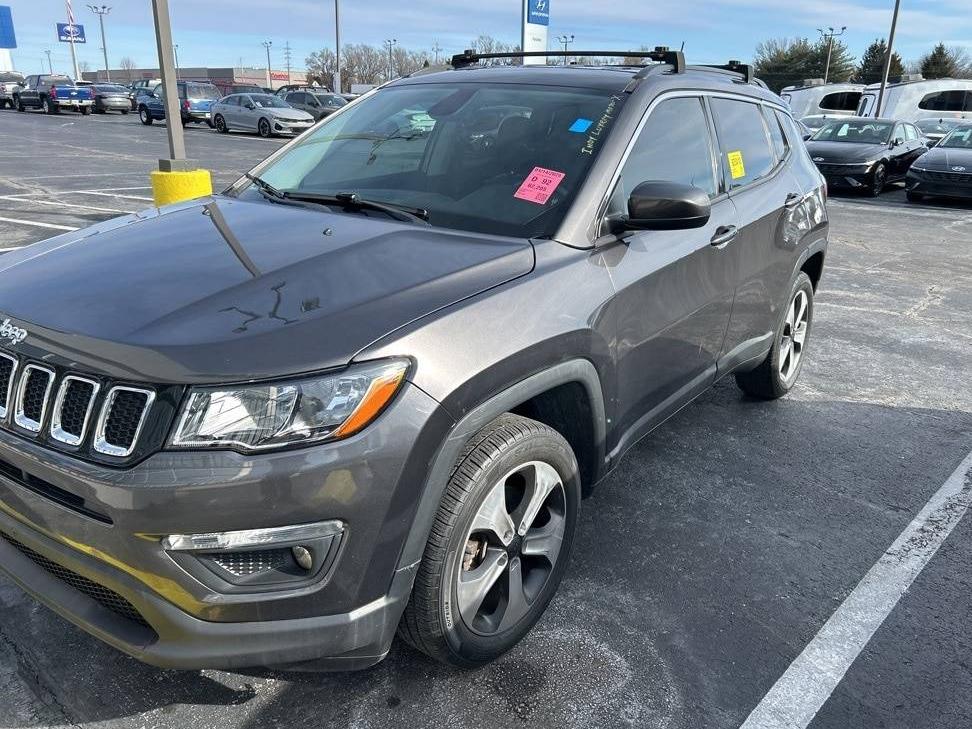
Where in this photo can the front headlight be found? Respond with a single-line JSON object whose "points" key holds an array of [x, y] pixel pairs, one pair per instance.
{"points": [[288, 412]]}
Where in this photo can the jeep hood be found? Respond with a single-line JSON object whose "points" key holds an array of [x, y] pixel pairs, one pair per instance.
{"points": [[226, 290]]}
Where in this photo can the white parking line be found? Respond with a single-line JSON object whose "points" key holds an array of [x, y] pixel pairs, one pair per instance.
{"points": [[35, 223], [104, 194], [798, 695], [59, 204]]}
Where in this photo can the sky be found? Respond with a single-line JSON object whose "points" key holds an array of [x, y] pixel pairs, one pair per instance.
{"points": [[226, 32]]}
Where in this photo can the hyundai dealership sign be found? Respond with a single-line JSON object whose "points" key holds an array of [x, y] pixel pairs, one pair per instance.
{"points": [[536, 18]]}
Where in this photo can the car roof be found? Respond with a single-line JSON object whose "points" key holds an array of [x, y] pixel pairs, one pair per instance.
{"points": [[868, 119], [601, 77]]}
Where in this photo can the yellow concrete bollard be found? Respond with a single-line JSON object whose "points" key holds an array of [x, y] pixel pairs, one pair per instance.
{"points": [[173, 187]]}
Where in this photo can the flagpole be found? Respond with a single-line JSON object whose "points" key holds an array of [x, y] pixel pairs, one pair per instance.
{"points": [[74, 54]]}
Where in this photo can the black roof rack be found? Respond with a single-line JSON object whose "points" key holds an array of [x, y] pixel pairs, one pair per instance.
{"points": [[661, 54], [747, 71]]}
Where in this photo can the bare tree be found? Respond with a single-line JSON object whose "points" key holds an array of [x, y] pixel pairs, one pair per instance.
{"points": [[84, 66], [321, 67], [488, 44], [364, 64], [128, 65]]}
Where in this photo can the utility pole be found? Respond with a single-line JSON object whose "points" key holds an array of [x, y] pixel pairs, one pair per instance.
{"points": [[336, 84], [50, 66], [436, 49], [267, 44], [565, 40], [287, 57], [175, 52], [101, 12], [887, 59], [74, 53], [389, 44], [830, 34]]}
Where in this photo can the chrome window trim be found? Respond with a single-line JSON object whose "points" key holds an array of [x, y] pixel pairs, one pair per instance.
{"points": [[5, 402], [103, 446], [21, 420], [57, 433]]}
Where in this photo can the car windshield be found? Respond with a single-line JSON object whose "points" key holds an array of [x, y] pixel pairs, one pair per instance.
{"points": [[814, 122], [111, 89], [201, 91], [493, 158], [861, 132], [331, 100], [935, 126], [960, 138], [266, 101]]}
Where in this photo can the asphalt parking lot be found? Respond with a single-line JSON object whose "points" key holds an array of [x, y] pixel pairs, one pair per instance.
{"points": [[728, 541]]}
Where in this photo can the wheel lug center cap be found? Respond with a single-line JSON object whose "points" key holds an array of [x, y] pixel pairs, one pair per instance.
{"points": [[515, 546]]}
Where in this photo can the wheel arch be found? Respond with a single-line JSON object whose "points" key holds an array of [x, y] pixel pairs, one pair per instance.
{"points": [[549, 396]]}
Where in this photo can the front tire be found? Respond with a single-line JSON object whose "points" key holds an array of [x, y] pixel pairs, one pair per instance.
{"points": [[499, 545], [220, 123], [85, 110], [145, 117], [879, 179], [263, 127], [777, 374]]}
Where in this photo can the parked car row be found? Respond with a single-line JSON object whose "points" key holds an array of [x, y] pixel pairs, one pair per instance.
{"points": [[866, 154]]}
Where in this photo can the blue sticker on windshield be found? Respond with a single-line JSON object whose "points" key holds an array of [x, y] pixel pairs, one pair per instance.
{"points": [[580, 126]]}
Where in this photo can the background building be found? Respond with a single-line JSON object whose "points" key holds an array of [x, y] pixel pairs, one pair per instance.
{"points": [[221, 77]]}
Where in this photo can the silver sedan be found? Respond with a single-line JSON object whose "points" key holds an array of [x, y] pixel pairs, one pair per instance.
{"points": [[268, 115]]}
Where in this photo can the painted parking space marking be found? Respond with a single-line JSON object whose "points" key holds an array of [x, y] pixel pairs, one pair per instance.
{"points": [[59, 204], [804, 688], [105, 194], [35, 223]]}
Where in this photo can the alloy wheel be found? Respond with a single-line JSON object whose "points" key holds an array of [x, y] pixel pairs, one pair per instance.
{"points": [[878, 180], [264, 128], [511, 548], [794, 336]]}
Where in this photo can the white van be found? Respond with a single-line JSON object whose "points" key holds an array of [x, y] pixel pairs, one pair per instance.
{"points": [[815, 97], [914, 98]]}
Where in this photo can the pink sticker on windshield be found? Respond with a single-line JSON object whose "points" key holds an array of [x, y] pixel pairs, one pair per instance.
{"points": [[539, 185]]}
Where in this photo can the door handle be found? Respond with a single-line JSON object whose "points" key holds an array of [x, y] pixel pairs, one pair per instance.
{"points": [[793, 199], [724, 234]]}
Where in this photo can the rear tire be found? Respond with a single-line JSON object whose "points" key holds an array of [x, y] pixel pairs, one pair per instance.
{"points": [[20, 107], [499, 545], [145, 117], [124, 112], [778, 373], [48, 107], [85, 110]]}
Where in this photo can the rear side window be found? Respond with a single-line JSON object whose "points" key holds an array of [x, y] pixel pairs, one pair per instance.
{"points": [[295, 98], [780, 145], [745, 150], [841, 101], [911, 134], [674, 145]]}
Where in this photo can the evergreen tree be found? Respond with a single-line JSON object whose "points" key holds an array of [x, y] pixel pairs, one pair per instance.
{"points": [[871, 68], [788, 62], [940, 63]]}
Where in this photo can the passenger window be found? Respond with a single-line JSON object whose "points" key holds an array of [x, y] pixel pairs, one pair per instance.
{"points": [[841, 101], [674, 145], [777, 137], [911, 134], [746, 154]]}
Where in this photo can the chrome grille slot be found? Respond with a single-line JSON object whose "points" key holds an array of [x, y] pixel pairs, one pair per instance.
{"points": [[8, 367], [32, 396], [72, 409], [121, 420]]}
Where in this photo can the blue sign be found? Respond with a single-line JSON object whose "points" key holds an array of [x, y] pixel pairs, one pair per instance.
{"points": [[7, 37], [538, 12], [67, 33]]}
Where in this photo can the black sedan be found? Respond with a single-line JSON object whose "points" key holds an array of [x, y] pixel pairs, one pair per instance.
{"points": [[934, 130], [865, 154], [946, 170], [111, 97]]}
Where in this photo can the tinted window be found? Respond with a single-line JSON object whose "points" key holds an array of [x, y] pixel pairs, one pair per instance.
{"points": [[911, 133], [776, 133], [857, 132], [843, 101], [295, 98], [746, 154], [946, 101], [674, 145], [201, 91]]}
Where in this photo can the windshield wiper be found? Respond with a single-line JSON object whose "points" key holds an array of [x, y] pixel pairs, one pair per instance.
{"points": [[264, 186], [355, 202]]}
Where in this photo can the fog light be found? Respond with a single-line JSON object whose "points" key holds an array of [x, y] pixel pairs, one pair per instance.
{"points": [[303, 557]]}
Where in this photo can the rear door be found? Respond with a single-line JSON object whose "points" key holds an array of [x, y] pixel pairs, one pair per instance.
{"points": [[754, 159], [674, 288]]}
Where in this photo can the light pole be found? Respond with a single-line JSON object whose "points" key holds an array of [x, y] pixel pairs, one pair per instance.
{"points": [[50, 66], [830, 34], [389, 44], [436, 49], [336, 82], [565, 40], [175, 53], [887, 59], [267, 44], [101, 12]]}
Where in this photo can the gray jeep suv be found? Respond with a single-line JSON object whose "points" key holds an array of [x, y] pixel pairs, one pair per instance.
{"points": [[364, 390]]}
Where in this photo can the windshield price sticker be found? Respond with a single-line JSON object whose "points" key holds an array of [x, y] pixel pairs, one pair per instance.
{"points": [[736, 166], [539, 185]]}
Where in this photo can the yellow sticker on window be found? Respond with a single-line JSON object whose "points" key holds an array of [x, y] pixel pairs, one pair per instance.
{"points": [[736, 166]]}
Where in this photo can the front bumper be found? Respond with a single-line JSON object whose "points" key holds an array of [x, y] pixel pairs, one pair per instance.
{"points": [[281, 126], [178, 617], [852, 176], [939, 183]]}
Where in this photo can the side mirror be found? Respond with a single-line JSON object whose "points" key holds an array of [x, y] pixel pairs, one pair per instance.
{"points": [[251, 106], [807, 135], [896, 142], [660, 205]]}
